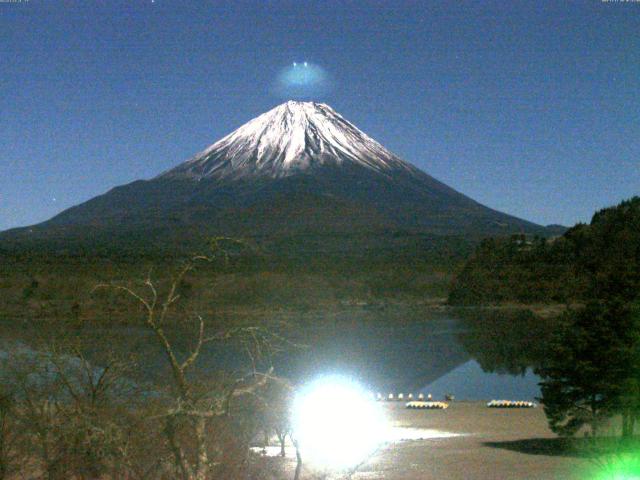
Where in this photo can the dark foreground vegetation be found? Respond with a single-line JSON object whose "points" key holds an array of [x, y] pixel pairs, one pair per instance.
{"points": [[84, 402], [587, 261], [47, 281], [589, 357], [80, 403]]}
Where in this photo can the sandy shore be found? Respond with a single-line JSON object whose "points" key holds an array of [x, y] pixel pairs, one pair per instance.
{"points": [[491, 444], [495, 444]]}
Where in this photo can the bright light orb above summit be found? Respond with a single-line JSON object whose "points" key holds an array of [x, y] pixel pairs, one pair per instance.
{"points": [[302, 80]]}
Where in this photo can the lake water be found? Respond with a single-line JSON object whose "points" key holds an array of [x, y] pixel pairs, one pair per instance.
{"points": [[431, 355], [469, 382], [388, 351]]}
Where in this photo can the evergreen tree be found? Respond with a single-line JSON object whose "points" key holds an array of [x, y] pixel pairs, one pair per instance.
{"points": [[593, 368]]}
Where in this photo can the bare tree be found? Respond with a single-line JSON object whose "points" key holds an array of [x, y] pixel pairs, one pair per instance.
{"points": [[196, 404], [83, 409], [72, 411], [276, 413], [8, 435]]}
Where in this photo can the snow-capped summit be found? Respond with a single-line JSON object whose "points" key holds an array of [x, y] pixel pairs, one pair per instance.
{"points": [[290, 138], [297, 171]]}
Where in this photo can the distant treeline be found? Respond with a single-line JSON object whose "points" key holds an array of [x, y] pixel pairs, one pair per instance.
{"points": [[587, 261], [313, 252], [54, 279]]}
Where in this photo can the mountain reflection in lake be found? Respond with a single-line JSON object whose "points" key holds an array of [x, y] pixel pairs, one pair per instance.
{"points": [[470, 382], [473, 355], [400, 355]]}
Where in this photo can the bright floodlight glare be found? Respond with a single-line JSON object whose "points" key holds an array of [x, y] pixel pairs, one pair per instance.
{"points": [[337, 424]]}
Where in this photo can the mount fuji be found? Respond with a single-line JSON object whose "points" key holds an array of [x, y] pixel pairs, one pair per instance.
{"points": [[300, 169], [292, 138]]}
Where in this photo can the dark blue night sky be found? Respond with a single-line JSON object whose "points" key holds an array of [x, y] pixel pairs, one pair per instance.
{"points": [[528, 107]]}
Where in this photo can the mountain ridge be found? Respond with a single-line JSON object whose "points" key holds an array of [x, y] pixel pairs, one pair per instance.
{"points": [[299, 169], [290, 138]]}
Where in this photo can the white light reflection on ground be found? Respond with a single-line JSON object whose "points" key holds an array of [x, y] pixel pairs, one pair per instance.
{"points": [[394, 435], [400, 434]]}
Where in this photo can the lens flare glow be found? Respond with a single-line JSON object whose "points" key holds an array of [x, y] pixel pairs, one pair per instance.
{"points": [[621, 466], [337, 424]]}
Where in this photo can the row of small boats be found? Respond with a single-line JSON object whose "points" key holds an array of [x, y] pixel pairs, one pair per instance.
{"points": [[400, 397], [427, 405], [510, 404], [492, 404], [426, 402]]}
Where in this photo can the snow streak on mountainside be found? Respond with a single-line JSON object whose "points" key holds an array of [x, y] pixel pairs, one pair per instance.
{"points": [[290, 138], [299, 170]]}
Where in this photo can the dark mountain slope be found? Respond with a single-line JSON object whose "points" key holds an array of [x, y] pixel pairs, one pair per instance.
{"points": [[298, 170]]}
